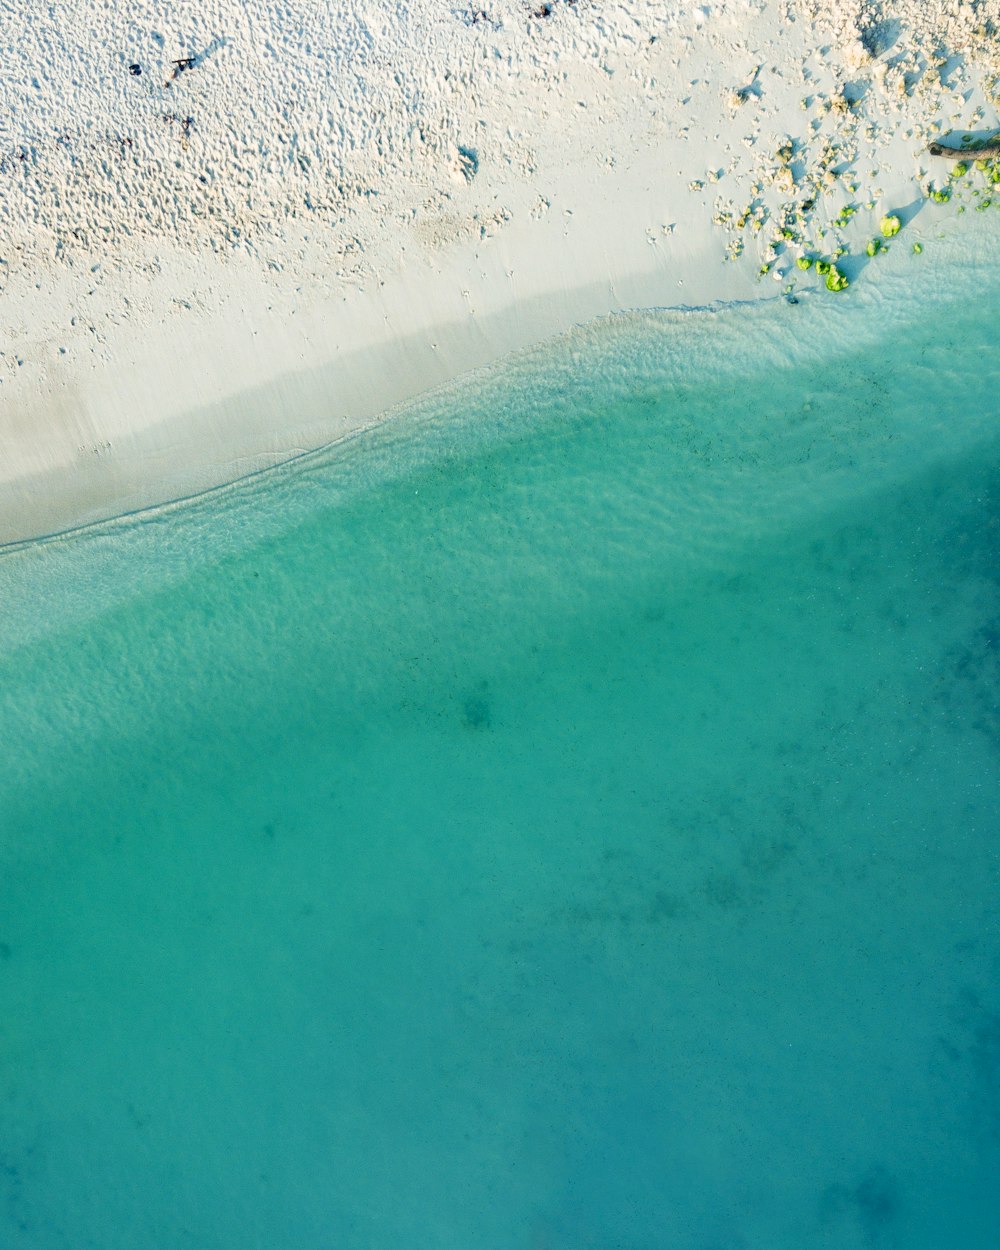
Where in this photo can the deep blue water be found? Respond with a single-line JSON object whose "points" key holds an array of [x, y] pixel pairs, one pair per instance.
{"points": [[564, 818]]}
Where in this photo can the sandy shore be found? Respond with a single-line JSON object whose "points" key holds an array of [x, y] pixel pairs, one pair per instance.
{"points": [[249, 234]]}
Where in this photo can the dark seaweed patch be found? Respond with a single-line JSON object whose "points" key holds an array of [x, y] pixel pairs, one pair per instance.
{"points": [[476, 713], [873, 1202], [974, 1045]]}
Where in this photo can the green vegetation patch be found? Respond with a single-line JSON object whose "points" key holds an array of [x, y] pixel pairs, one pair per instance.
{"points": [[846, 214], [835, 280]]}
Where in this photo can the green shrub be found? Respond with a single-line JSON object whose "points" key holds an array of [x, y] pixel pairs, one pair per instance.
{"points": [[835, 280]]}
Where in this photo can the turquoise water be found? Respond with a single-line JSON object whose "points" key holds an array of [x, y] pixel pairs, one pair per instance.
{"points": [[565, 817]]}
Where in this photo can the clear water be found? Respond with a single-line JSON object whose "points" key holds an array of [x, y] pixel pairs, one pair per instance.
{"points": [[564, 818]]}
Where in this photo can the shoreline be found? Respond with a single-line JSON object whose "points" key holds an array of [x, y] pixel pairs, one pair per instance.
{"points": [[264, 374], [823, 356], [283, 412], [160, 368], [966, 254]]}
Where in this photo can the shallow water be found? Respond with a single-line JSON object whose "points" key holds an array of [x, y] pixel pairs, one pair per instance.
{"points": [[563, 818]]}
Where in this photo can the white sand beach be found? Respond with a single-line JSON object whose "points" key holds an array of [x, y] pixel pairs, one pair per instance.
{"points": [[232, 231]]}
